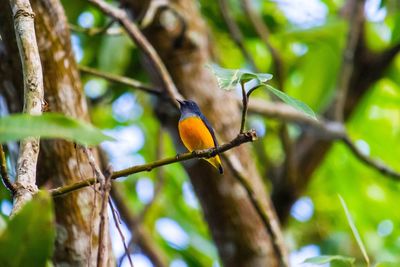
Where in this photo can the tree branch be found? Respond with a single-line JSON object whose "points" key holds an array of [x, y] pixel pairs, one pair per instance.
{"points": [[248, 136], [327, 130], [122, 80], [33, 98], [375, 164], [117, 222], [3, 172], [141, 41], [96, 31]]}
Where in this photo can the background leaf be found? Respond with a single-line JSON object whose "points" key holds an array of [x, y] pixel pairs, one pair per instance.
{"points": [[297, 104], [228, 79], [49, 125], [354, 230], [28, 239], [328, 258]]}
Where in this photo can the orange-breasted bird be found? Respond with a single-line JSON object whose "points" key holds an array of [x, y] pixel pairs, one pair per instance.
{"points": [[196, 132]]}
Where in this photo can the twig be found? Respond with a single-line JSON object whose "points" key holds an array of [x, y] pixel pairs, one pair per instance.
{"points": [[99, 177], [268, 217], [25, 185], [96, 31], [379, 166], [235, 33], [142, 43], [122, 80], [140, 236], [96, 169], [248, 136], [117, 223], [356, 19], [244, 109], [3, 172], [102, 253], [245, 102]]}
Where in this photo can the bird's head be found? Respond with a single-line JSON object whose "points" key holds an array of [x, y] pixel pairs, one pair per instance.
{"points": [[189, 106]]}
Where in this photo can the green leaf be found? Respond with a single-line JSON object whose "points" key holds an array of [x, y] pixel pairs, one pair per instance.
{"points": [[49, 125], [328, 258], [297, 104], [28, 239], [354, 230], [228, 79]]}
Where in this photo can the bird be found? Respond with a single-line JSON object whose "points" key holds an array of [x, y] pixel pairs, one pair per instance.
{"points": [[196, 132]]}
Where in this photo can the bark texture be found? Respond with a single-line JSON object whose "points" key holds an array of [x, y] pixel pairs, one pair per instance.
{"points": [[237, 229], [25, 183], [60, 162]]}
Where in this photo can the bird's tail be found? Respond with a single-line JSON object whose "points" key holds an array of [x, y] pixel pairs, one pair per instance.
{"points": [[216, 162]]}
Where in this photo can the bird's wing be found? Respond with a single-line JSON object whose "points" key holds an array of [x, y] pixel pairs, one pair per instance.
{"points": [[210, 129]]}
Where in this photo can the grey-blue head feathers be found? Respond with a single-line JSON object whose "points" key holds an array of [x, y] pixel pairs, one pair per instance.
{"points": [[189, 108]]}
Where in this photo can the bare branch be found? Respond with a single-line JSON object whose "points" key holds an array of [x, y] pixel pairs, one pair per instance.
{"points": [[117, 223], [102, 253], [33, 99], [379, 166], [248, 136], [141, 41], [3, 172], [122, 80], [96, 31], [140, 235]]}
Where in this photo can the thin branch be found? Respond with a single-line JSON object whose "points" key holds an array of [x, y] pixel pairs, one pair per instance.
{"points": [[356, 19], [244, 109], [245, 137], [117, 223], [33, 99], [142, 43], [267, 216], [140, 235], [379, 166], [122, 80], [102, 253], [97, 31], [235, 33], [3, 172], [328, 130]]}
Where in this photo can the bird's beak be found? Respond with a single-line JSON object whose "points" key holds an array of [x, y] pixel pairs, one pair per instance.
{"points": [[180, 102]]}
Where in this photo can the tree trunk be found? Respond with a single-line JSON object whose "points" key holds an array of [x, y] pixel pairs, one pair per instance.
{"points": [[60, 163], [237, 229]]}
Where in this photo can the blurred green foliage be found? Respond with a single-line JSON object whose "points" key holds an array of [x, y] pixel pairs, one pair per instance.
{"points": [[28, 238], [311, 54]]}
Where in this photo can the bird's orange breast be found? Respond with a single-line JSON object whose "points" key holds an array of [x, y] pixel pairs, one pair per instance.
{"points": [[195, 134]]}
